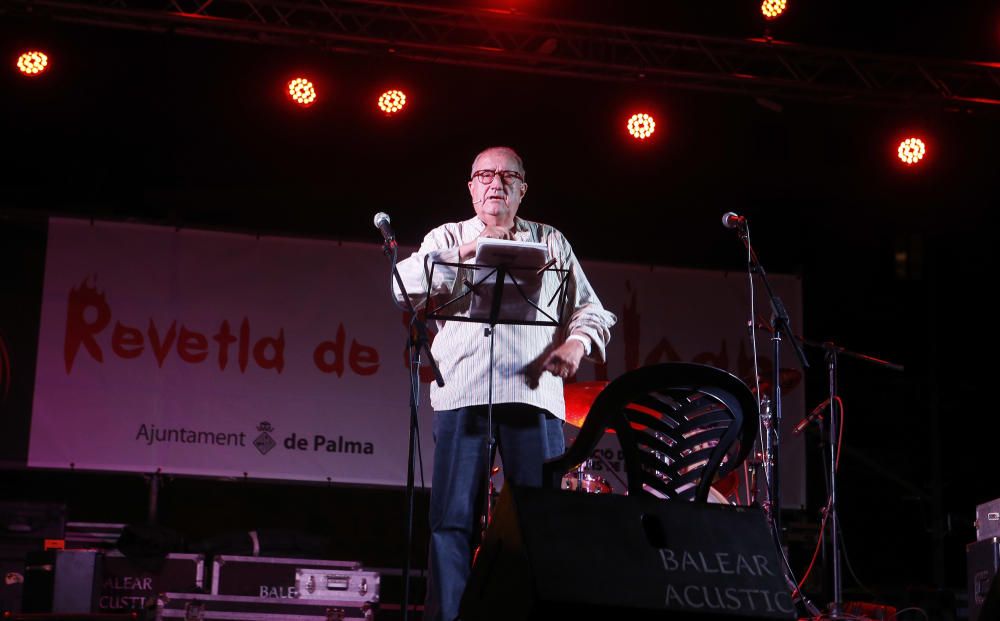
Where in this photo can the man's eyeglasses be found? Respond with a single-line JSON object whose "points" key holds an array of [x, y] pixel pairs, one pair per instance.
{"points": [[507, 176]]}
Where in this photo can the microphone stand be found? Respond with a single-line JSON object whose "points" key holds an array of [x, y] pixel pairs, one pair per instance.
{"points": [[831, 351], [781, 325], [417, 341]]}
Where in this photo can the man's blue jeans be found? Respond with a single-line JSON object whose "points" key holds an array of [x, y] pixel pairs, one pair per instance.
{"points": [[526, 436]]}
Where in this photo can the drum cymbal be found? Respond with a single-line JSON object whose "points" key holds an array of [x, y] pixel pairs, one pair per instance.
{"points": [[579, 397]]}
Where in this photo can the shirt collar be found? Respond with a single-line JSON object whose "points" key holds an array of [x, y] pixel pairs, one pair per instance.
{"points": [[522, 231]]}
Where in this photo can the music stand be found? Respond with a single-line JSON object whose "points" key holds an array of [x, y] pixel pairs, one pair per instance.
{"points": [[518, 274]]}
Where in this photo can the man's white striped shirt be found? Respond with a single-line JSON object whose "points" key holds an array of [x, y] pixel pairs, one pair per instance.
{"points": [[461, 349]]}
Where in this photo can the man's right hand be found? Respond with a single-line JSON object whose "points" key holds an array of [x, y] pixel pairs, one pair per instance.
{"points": [[468, 249]]}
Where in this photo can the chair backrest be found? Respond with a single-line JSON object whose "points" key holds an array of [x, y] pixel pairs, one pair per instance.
{"points": [[679, 425]]}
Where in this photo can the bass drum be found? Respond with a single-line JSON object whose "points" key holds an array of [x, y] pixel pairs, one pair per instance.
{"points": [[726, 491], [716, 497]]}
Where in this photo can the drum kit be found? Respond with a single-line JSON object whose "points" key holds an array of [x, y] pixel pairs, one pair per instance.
{"points": [[580, 396]]}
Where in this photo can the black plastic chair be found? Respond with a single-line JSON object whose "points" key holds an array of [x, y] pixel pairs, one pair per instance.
{"points": [[679, 425]]}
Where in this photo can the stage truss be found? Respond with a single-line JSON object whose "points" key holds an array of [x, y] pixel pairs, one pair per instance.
{"points": [[766, 69]]}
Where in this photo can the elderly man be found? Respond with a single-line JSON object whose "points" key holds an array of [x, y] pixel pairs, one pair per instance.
{"points": [[530, 363]]}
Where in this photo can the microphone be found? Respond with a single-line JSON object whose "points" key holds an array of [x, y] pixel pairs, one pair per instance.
{"points": [[732, 221], [382, 224], [817, 413]]}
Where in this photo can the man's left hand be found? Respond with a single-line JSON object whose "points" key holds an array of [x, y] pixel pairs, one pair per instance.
{"points": [[563, 361]]}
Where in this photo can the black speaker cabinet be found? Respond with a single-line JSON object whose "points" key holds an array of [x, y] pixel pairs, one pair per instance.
{"points": [[557, 554], [983, 560]]}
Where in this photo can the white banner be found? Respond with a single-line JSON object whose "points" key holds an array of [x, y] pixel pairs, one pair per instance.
{"points": [[218, 354]]}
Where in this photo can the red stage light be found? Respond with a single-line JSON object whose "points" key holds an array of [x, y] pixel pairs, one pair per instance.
{"points": [[392, 101], [911, 151], [302, 91], [32, 63], [773, 8], [641, 126]]}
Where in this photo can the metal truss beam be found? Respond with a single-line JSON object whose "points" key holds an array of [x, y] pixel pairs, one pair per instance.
{"points": [[505, 40]]}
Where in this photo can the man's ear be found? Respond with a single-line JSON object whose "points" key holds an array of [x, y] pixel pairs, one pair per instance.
{"points": [[470, 190], [524, 189]]}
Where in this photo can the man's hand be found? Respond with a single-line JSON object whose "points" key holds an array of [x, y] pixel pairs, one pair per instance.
{"points": [[468, 249], [563, 361]]}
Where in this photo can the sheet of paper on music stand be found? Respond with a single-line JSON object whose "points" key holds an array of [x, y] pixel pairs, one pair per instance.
{"points": [[524, 259]]}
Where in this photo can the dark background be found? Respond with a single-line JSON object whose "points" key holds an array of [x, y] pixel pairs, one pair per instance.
{"points": [[895, 262]]}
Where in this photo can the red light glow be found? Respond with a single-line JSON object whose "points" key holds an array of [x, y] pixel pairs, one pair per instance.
{"points": [[911, 151], [302, 91], [641, 126], [32, 63], [392, 101], [773, 8]]}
